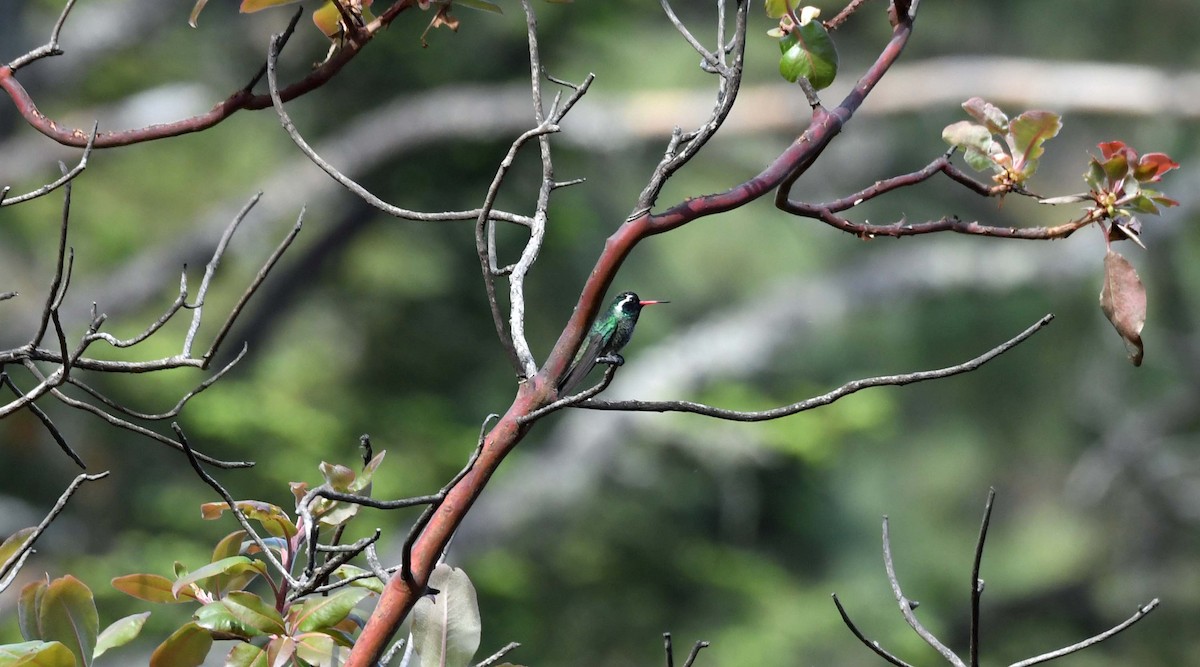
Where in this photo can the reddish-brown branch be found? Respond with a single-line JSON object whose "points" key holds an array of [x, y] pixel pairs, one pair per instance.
{"points": [[790, 164], [402, 593], [242, 99], [946, 224]]}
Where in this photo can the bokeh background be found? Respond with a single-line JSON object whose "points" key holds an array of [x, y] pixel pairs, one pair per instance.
{"points": [[604, 530]]}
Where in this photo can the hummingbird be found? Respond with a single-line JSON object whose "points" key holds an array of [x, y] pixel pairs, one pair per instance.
{"points": [[610, 333]]}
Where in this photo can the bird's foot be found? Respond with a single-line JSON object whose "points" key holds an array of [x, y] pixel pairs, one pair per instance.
{"points": [[611, 359]]}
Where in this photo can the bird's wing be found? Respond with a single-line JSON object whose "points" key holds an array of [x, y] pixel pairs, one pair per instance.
{"points": [[584, 363]]}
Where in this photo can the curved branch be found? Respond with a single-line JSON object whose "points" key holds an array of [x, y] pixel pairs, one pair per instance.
{"points": [[67, 176], [277, 97], [950, 223], [1046, 657], [12, 564], [789, 164], [824, 399], [869, 643], [907, 606], [243, 99], [976, 582]]}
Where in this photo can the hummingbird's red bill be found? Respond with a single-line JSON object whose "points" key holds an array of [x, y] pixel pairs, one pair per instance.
{"points": [[651, 303]]}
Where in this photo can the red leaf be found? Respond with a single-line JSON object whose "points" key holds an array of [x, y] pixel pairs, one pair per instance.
{"points": [[1153, 165], [1110, 148]]}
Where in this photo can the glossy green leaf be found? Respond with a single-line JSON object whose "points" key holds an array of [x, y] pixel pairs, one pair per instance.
{"points": [[186, 647], [67, 614], [27, 608], [36, 654], [272, 518], [246, 655], [252, 611], [809, 52], [229, 546], [446, 626], [218, 619], [120, 632], [231, 565], [280, 650], [318, 613], [151, 588], [316, 649]]}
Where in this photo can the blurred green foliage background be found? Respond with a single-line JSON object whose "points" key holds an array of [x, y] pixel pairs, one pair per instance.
{"points": [[605, 530]]}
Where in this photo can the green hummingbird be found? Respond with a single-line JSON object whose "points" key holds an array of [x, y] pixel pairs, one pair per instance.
{"points": [[609, 334]]}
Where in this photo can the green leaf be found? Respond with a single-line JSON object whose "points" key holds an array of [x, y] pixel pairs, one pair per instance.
{"points": [[964, 134], [229, 546], [1027, 133], [68, 614], [216, 618], [36, 654], [186, 647], [372, 583], [151, 588], [319, 613], [27, 608], [987, 113], [479, 4], [1115, 168], [280, 650], [979, 161], [362, 485], [316, 649], [809, 52], [231, 565], [338, 477], [254, 612], [1095, 175], [775, 8], [273, 519], [446, 627], [1144, 204], [15, 543], [251, 6], [246, 655], [120, 632]]}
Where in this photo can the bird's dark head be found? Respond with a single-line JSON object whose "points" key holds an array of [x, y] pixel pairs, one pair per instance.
{"points": [[629, 303]]}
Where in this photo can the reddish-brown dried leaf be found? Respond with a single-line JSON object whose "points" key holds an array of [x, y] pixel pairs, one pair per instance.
{"points": [[1123, 300]]}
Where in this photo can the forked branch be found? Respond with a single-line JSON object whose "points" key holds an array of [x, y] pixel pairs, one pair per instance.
{"points": [[907, 607]]}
